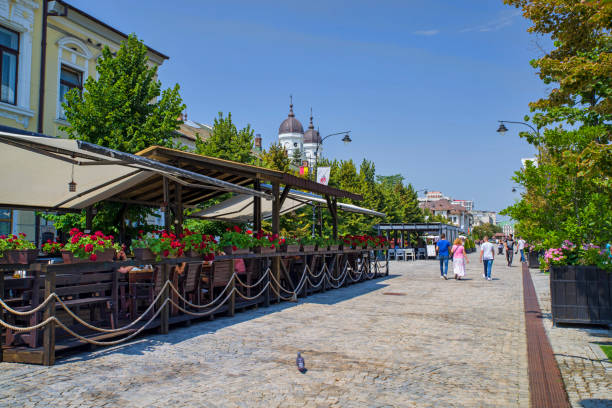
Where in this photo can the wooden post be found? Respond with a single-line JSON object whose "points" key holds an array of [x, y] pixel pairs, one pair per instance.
{"points": [[276, 204], [232, 299], [49, 330], [166, 190], [88, 219], [257, 206], [178, 196], [266, 281], [165, 314]]}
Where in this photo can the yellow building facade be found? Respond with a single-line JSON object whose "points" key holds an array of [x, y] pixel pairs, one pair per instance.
{"points": [[34, 78]]}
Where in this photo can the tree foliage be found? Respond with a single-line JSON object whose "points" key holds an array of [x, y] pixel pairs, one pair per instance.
{"points": [[568, 192], [276, 158], [124, 108], [488, 229], [227, 142]]}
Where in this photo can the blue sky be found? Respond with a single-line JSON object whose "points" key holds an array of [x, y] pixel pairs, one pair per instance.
{"points": [[421, 84]]}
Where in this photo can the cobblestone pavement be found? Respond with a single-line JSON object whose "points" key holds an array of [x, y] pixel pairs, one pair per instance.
{"points": [[441, 344], [586, 381]]}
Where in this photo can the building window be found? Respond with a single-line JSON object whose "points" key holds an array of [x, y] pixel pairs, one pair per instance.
{"points": [[5, 221], [9, 53], [69, 79]]}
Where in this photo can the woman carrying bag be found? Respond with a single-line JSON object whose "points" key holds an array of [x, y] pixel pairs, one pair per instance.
{"points": [[459, 258]]}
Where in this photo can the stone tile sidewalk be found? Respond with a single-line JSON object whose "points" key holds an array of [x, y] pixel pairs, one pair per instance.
{"points": [[586, 381], [436, 344]]}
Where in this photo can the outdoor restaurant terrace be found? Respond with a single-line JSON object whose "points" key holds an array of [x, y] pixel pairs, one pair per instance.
{"points": [[51, 307]]}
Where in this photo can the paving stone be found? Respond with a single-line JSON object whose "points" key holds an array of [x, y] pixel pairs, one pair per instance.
{"points": [[443, 344]]}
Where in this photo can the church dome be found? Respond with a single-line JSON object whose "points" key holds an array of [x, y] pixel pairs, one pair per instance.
{"points": [[291, 124], [312, 135]]}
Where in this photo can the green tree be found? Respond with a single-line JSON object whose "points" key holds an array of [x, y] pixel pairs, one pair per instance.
{"points": [[276, 158], [227, 142], [488, 229], [124, 108], [568, 194], [296, 157]]}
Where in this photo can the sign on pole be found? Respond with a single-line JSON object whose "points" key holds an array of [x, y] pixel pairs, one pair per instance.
{"points": [[323, 175]]}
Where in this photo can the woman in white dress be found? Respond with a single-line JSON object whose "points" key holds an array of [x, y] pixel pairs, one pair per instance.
{"points": [[459, 258]]}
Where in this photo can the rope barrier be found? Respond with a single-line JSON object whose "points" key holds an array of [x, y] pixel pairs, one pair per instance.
{"points": [[347, 272]]}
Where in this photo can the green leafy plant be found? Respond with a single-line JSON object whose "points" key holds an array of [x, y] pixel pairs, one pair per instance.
{"points": [[236, 238], [202, 244]]}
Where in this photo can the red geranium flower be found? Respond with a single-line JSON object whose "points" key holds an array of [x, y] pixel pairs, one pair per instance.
{"points": [[93, 257]]}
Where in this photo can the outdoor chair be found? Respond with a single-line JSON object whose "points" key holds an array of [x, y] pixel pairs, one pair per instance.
{"points": [[410, 253], [400, 254], [191, 283], [140, 287], [391, 253], [422, 253]]}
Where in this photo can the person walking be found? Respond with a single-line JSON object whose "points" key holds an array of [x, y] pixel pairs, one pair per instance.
{"points": [[487, 254], [509, 249], [442, 247], [459, 258], [521, 247]]}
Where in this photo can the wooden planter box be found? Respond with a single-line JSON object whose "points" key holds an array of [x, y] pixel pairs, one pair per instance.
{"points": [[308, 248], [332, 248], [289, 248], [19, 256], [144, 254], [581, 294], [105, 256], [238, 251], [534, 259], [265, 250]]}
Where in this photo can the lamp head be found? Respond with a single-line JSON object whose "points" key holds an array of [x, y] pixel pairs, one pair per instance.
{"points": [[346, 139], [502, 128]]}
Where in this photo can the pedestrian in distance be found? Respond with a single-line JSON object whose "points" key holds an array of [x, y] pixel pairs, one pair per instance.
{"points": [[487, 254], [459, 258], [509, 249], [442, 247], [500, 248], [521, 247]]}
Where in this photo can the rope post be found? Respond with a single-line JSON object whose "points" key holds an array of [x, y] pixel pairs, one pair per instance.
{"points": [[267, 281], [232, 300], [276, 272], [49, 330], [324, 284], [165, 314]]}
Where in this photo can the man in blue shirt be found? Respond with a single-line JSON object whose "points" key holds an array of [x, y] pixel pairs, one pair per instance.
{"points": [[442, 249]]}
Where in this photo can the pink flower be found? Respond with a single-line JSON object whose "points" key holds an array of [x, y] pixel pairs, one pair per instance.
{"points": [[89, 248]]}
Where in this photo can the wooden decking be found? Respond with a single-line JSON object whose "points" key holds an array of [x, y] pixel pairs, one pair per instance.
{"points": [[545, 382]]}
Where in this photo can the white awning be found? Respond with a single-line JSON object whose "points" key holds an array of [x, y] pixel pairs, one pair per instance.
{"points": [[240, 207], [35, 171]]}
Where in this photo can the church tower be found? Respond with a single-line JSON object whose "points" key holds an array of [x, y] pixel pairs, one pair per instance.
{"points": [[291, 133], [312, 143]]}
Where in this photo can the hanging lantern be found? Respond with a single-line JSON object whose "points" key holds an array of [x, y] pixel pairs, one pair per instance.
{"points": [[72, 184]]}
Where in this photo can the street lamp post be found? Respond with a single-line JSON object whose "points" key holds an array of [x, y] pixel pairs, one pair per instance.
{"points": [[346, 139]]}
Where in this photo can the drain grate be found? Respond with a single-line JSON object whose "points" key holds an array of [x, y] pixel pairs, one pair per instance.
{"points": [[394, 294]]}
